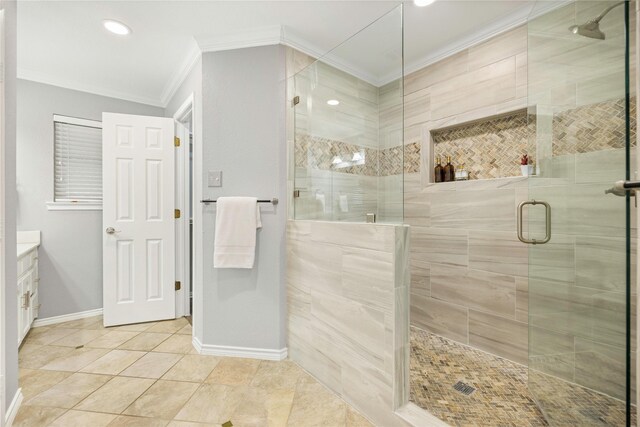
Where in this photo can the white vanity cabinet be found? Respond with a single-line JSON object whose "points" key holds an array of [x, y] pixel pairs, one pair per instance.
{"points": [[28, 281]]}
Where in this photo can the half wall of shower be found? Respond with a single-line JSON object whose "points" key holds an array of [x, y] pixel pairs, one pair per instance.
{"points": [[347, 281]]}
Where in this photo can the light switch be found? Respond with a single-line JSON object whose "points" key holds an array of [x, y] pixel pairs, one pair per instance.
{"points": [[215, 178]]}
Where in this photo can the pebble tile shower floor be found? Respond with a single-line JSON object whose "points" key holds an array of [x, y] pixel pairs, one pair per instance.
{"points": [[82, 374], [501, 397]]}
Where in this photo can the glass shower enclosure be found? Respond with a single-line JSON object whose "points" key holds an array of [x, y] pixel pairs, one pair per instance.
{"points": [[581, 236], [348, 136]]}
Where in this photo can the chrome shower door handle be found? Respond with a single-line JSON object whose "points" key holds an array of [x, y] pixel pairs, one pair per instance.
{"points": [[547, 210]]}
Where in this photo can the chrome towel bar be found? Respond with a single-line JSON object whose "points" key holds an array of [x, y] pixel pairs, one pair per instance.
{"points": [[273, 201]]}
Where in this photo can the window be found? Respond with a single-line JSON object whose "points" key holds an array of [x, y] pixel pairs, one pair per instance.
{"points": [[77, 163]]}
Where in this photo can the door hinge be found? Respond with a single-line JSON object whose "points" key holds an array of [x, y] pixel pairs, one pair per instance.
{"points": [[296, 100], [176, 213], [178, 286], [176, 141]]}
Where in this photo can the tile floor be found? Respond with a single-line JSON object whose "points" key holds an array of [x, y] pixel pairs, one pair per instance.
{"points": [[502, 396], [82, 374]]}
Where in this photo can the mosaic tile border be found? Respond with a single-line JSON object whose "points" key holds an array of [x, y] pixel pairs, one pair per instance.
{"points": [[490, 148], [319, 153], [593, 127]]}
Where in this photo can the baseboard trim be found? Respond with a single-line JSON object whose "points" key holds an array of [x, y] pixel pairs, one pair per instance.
{"points": [[12, 410], [66, 318], [245, 352]]}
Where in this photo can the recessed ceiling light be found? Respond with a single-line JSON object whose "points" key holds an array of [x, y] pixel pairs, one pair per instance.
{"points": [[116, 27], [423, 3], [333, 102]]}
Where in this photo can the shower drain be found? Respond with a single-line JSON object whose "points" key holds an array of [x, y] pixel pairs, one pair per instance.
{"points": [[464, 388]]}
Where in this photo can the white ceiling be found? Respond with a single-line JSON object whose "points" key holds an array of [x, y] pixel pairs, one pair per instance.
{"points": [[63, 42]]}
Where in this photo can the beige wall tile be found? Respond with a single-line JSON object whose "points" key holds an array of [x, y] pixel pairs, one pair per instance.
{"points": [[498, 252], [522, 299], [505, 45], [498, 335], [480, 290], [359, 329], [474, 210], [417, 108], [600, 263], [443, 70], [601, 367], [442, 245], [368, 278], [440, 317], [363, 236], [420, 277]]}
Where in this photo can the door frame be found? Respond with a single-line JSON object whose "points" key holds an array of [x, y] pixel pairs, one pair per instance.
{"points": [[636, 83], [4, 292], [182, 202]]}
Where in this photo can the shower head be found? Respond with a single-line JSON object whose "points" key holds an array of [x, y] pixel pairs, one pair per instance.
{"points": [[591, 28]]}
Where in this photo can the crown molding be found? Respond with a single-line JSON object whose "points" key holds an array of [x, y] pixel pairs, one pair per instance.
{"points": [[180, 75], [40, 77], [496, 28], [276, 34], [263, 36], [294, 41]]}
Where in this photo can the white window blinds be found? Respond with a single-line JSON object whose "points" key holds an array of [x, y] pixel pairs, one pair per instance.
{"points": [[78, 160]]}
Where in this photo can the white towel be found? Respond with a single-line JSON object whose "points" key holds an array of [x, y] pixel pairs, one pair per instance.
{"points": [[237, 219]]}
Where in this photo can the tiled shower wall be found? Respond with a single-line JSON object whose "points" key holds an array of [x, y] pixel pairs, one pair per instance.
{"points": [[468, 270], [470, 276]]}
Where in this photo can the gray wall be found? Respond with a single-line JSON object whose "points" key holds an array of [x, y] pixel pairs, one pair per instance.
{"points": [[10, 322], [244, 136], [70, 258]]}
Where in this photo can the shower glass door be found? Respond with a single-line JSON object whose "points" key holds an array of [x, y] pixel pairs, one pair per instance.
{"points": [[581, 283]]}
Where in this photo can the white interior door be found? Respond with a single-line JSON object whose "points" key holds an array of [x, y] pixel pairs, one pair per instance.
{"points": [[138, 218]]}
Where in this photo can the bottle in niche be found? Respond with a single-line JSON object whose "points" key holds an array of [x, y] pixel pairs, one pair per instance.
{"points": [[461, 173], [449, 171], [438, 171]]}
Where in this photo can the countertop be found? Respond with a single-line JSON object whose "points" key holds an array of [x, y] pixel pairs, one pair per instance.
{"points": [[23, 248]]}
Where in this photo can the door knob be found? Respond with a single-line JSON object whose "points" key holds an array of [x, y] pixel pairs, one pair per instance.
{"points": [[111, 230]]}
